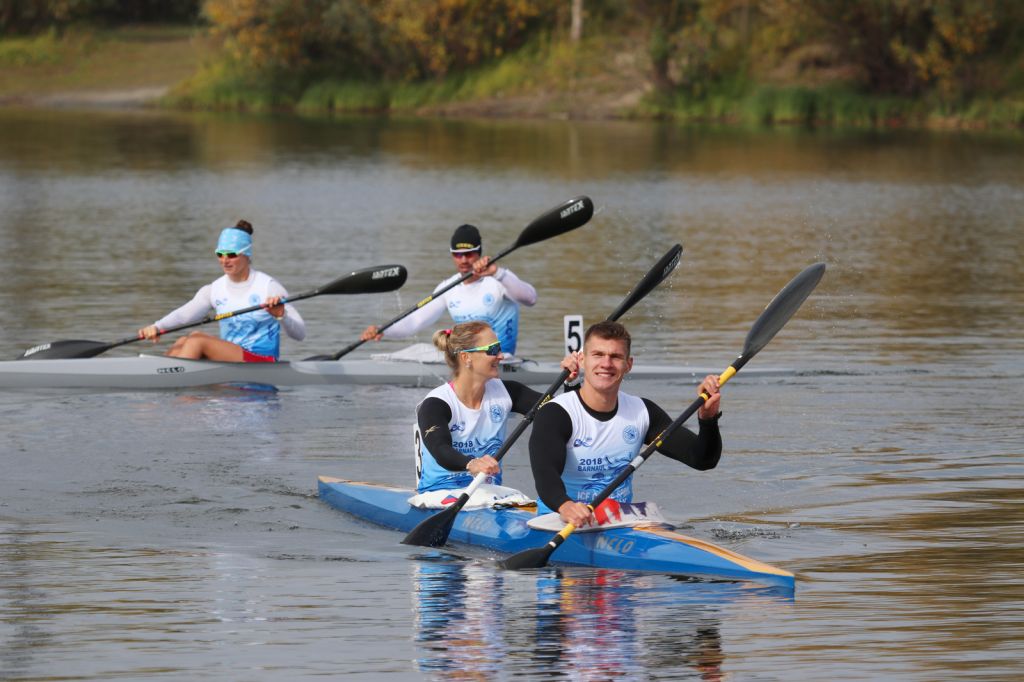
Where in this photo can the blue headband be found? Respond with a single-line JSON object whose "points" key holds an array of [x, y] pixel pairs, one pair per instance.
{"points": [[233, 240]]}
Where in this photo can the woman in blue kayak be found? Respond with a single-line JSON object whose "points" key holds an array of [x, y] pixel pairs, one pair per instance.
{"points": [[253, 337], [461, 423]]}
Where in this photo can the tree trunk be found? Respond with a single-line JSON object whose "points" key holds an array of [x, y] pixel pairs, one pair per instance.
{"points": [[576, 27]]}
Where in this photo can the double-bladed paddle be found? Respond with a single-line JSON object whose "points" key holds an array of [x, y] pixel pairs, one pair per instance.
{"points": [[433, 531], [375, 280], [767, 325], [567, 216]]}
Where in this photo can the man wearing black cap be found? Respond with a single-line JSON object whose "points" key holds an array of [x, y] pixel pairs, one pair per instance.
{"points": [[492, 295]]}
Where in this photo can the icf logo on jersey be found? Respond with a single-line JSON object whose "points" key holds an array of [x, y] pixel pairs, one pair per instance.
{"points": [[630, 434], [497, 414], [254, 299], [488, 299]]}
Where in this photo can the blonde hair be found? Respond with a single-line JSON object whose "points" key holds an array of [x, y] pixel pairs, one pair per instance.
{"points": [[451, 341]]}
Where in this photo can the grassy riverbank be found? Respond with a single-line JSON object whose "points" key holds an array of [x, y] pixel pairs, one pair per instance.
{"points": [[604, 76], [124, 66]]}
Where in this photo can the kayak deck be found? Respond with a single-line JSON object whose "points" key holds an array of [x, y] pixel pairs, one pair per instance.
{"points": [[162, 372], [653, 548]]}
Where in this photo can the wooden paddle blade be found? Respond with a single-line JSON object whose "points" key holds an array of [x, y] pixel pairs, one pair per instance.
{"points": [[530, 558], [785, 304], [434, 530], [661, 270], [62, 350], [563, 218], [374, 280]]}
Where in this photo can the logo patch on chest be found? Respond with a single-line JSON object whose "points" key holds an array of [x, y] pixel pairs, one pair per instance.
{"points": [[630, 434]]}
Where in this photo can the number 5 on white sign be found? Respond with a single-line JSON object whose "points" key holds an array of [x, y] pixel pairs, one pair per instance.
{"points": [[573, 330]]}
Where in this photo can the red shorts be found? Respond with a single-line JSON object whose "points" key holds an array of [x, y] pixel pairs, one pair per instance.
{"points": [[253, 357]]}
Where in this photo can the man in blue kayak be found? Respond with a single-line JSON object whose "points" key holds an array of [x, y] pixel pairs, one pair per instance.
{"points": [[582, 439], [492, 295]]}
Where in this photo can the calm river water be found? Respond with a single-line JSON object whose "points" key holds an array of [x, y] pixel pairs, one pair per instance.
{"points": [[177, 535]]}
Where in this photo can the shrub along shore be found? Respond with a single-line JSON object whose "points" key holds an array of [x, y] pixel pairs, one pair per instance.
{"points": [[603, 75]]}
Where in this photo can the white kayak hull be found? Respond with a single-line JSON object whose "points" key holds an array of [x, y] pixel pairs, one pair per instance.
{"points": [[162, 372]]}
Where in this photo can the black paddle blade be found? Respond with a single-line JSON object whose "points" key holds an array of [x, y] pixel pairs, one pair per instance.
{"points": [[433, 531], [62, 350], [563, 218], [785, 304], [529, 558], [661, 270], [375, 280]]}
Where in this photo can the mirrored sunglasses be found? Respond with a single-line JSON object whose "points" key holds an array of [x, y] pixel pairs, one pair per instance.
{"points": [[493, 349]]}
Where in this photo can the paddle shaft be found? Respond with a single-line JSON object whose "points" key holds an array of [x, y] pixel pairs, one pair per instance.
{"points": [[352, 346]]}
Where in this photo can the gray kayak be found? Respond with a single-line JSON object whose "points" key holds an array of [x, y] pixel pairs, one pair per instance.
{"points": [[418, 365]]}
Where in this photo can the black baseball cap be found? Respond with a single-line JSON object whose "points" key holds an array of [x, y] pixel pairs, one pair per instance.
{"points": [[466, 238]]}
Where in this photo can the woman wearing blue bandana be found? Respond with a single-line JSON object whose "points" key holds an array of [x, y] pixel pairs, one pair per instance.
{"points": [[253, 337]]}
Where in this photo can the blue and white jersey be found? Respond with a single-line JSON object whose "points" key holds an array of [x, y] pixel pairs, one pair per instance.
{"points": [[485, 300], [474, 433], [257, 332], [597, 451]]}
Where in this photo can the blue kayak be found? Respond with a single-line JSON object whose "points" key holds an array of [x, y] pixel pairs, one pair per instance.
{"points": [[656, 548]]}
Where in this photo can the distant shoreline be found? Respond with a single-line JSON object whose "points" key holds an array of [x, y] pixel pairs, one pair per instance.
{"points": [[133, 98]]}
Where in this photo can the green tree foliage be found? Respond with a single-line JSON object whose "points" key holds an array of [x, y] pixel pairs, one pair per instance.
{"points": [[889, 47], [403, 39]]}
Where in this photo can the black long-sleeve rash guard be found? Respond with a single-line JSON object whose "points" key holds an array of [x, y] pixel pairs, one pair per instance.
{"points": [[552, 429], [434, 414]]}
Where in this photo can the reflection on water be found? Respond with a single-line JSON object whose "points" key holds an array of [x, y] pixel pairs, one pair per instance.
{"points": [[886, 473], [460, 619], [474, 622]]}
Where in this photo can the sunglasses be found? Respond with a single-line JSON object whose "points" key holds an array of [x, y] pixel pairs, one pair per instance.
{"points": [[228, 255], [493, 349]]}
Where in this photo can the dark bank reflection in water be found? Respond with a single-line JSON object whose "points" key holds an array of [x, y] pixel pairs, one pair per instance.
{"points": [[475, 622]]}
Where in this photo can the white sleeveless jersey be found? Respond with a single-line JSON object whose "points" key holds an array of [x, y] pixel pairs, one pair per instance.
{"points": [[597, 451], [474, 433], [257, 332], [486, 300]]}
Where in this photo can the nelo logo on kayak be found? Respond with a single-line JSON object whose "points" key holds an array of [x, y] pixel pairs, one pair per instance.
{"points": [[170, 370], [566, 212], [386, 272], [477, 522], [614, 544]]}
